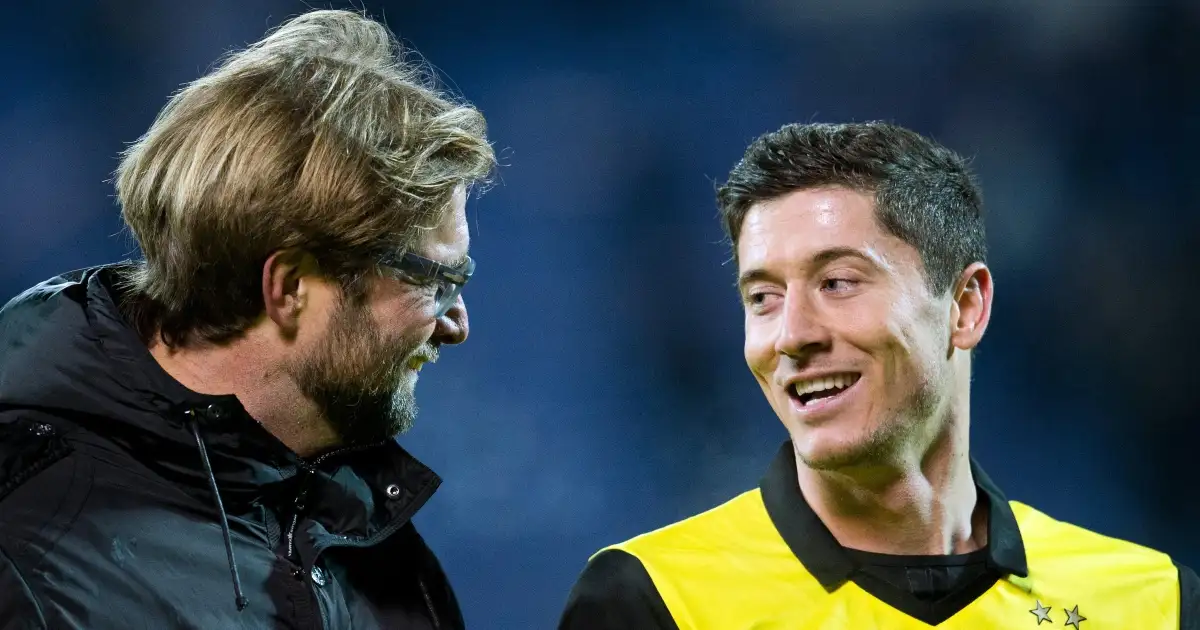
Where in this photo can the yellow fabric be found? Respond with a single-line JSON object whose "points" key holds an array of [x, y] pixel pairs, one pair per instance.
{"points": [[729, 569]]}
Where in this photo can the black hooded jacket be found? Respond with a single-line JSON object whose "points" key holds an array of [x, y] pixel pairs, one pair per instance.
{"points": [[128, 501]]}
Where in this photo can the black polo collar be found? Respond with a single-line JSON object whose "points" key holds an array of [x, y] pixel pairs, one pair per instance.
{"points": [[828, 561]]}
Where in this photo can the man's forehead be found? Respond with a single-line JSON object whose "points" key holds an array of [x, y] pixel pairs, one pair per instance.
{"points": [[449, 241], [813, 210], [812, 226]]}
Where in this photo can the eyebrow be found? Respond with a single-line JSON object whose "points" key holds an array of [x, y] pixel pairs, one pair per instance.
{"points": [[820, 259]]}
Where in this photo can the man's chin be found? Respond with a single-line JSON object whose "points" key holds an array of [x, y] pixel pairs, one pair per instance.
{"points": [[828, 453], [400, 428], [374, 423]]}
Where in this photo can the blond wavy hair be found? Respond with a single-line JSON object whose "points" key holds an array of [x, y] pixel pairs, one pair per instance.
{"points": [[323, 136]]}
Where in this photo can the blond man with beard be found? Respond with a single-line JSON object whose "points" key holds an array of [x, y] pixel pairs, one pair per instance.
{"points": [[204, 438]]}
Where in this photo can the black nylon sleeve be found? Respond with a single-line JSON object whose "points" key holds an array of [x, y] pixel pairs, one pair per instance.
{"points": [[615, 592], [1189, 598]]}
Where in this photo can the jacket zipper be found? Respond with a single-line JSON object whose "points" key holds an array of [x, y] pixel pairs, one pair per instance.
{"points": [[343, 450], [297, 507], [291, 537], [291, 533]]}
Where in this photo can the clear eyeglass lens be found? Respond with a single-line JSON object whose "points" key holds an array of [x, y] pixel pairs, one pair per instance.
{"points": [[447, 294]]}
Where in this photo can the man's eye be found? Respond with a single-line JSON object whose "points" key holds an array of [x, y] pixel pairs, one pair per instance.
{"points": [[414, 279], [759, 299], [838, 284]]}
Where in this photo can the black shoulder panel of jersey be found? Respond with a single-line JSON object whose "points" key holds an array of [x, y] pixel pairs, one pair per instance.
{"points": [[1189, 599], [615, 592]]}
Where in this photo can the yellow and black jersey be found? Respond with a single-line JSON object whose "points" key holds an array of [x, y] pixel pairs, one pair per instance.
{"points": [[765, 560]]}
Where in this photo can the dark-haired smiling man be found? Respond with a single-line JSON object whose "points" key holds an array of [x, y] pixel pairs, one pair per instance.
{"points": [[862, 270]]}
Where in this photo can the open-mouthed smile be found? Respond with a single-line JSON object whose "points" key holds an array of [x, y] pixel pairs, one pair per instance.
{"points": [[821, 392]]}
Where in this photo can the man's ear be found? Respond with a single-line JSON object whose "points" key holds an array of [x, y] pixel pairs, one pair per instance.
{"points": [[284, 290], [971, 306]]}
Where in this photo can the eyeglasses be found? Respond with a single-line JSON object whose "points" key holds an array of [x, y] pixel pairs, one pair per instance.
{"points": [[422, 271]]}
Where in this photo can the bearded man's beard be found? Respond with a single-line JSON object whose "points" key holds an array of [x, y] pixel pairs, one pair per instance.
{"points": [[356, 377]]}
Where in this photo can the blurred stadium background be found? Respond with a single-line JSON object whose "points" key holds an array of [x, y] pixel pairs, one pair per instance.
{"points": [[602, 392]]}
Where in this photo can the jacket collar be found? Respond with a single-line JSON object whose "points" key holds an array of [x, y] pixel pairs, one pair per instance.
{"points": [[828, 561]]}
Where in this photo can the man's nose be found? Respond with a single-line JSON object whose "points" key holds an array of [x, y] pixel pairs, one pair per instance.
{"points": [[453, 327], [803, 329]]}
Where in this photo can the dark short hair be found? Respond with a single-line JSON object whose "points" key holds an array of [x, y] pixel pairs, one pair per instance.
{"points": [[924, 193]]}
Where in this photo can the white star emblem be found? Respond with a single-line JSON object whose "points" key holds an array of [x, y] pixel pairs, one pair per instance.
{"points": [[1042, 611], [1073, 617]]}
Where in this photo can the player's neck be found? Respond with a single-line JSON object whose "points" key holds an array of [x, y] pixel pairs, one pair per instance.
{"points": [[248, 369], [926, 506]]}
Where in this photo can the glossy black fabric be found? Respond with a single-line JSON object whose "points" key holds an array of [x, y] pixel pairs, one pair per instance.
{"points": [[108, 519]]}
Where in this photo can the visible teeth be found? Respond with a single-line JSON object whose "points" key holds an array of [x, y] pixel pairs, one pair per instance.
{"points": [[837, 381]]}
